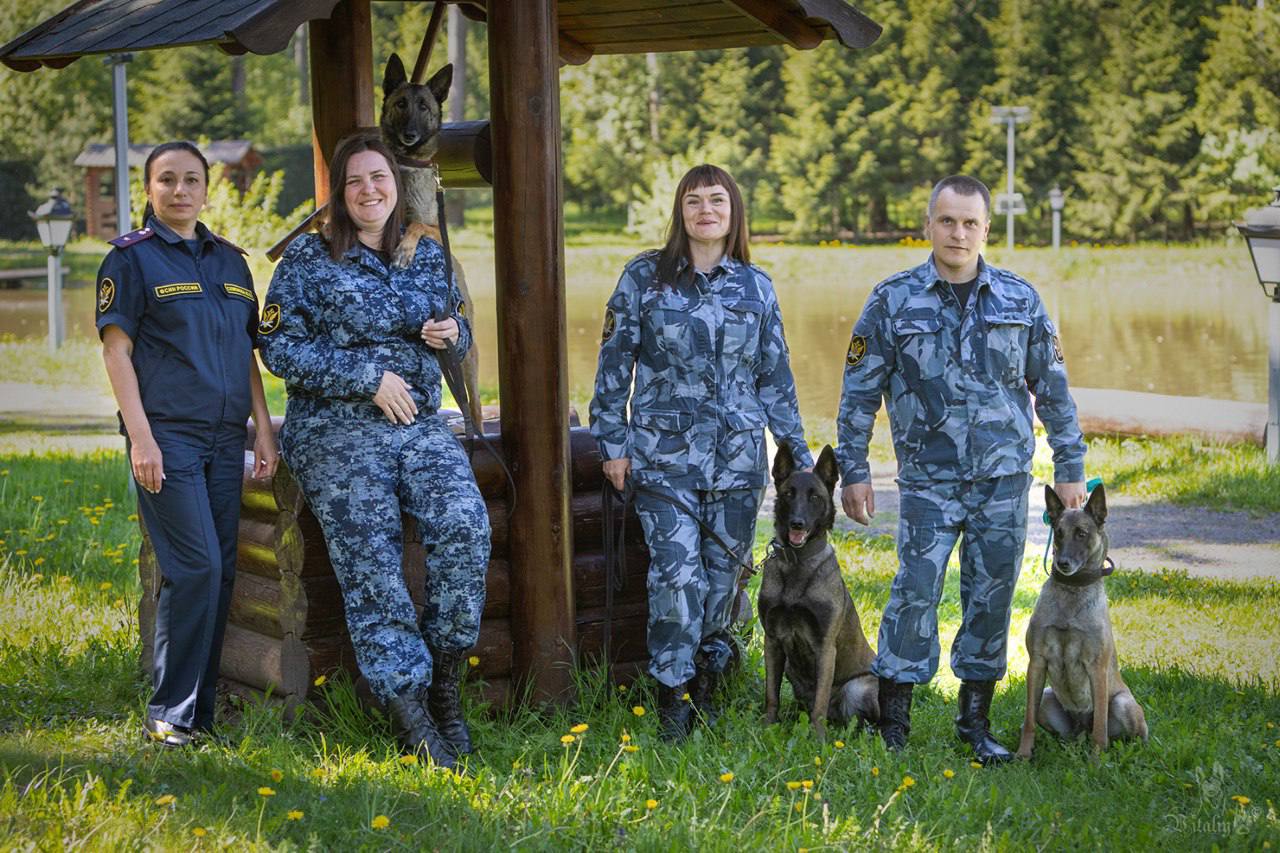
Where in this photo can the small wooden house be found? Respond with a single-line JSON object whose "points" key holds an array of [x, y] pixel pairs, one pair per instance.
{"points": [[240, 159]]}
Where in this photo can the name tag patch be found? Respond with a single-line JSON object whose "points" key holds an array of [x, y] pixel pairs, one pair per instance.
{"points": [[237, 290], [164, 291]]}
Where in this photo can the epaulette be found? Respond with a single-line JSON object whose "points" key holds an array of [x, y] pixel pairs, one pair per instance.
{"points": [[759, 271], [224, 240], [1011, 277], [650, 255], [124, 241]]}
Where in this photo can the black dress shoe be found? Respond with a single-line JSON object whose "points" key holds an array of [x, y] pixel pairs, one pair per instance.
{"points": [[165, 733]]}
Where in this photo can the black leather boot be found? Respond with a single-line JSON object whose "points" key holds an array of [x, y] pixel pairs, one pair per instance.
{"points": [[973, 726], [895, 713], [675, 713], [415, 731], [445, 702], [702, 695]]}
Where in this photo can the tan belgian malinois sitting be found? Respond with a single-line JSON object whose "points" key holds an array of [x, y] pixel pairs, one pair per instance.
{"points": [[1070, 642]]}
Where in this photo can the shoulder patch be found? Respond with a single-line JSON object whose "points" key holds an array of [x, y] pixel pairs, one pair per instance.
{"points": [[237, 290], [270, 319], [227, 242], [610, 325], [124, 241], [184, 288], [106, 294], [1057, 350], [857, 351], [461, 309]]}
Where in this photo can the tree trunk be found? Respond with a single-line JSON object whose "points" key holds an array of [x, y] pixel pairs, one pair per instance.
{"points": [[455, 203], [303, 66]]}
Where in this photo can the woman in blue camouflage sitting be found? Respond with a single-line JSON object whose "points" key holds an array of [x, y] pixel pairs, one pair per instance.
{"points": [[697, 328], [357, 341]]}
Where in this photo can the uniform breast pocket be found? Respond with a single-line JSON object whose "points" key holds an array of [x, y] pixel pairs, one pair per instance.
{"points": [[742, 329], [922, 350], [346, 312], [1007, 336], [676, 333]]}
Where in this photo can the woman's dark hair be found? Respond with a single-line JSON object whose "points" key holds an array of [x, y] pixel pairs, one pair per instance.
{"points": [[677, 246], [165, 148], [341, 231]]}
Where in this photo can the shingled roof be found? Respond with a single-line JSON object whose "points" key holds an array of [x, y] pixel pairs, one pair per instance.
{"points": [[587, 27]]}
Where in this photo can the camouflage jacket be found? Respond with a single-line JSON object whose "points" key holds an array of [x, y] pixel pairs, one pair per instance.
{"points": [[711, 370], [330, 328], [957, 386]]}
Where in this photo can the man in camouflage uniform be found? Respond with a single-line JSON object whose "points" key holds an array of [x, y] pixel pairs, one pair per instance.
{"points": [[956, 348], [711, 370], [332, 330]]}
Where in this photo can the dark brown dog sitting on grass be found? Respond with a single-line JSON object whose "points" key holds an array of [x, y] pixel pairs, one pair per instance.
{"points": [[1069, 639], [811, 629]]}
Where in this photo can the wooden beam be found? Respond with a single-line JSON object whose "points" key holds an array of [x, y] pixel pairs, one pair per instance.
{"points": [[341, 82], [797, 33], [528, 226]]}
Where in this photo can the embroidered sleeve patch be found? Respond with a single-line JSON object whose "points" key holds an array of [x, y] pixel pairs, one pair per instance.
{"points": [[461, 309], [610, 325], [270, 319], [857, 351], [106, 295], [237, 290], [164, 291], [1057, 350]]}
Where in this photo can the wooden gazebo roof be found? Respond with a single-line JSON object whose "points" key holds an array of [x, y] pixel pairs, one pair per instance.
{"points": [[587, 27]]}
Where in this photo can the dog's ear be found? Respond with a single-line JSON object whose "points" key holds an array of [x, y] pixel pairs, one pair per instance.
{"points": [[1053, 503], [783, 464], [1096, 506], [394, 77], [826, 469], [439, 83]]}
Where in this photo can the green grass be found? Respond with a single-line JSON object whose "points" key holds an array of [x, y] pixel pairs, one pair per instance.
{"points": [[1203, 657]]}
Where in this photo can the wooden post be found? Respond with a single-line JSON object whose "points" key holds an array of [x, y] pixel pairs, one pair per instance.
{"points": [[341, 82], [528, 227]]}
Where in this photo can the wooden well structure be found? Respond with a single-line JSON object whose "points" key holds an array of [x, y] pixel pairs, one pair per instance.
{"points": [[545, 611]]}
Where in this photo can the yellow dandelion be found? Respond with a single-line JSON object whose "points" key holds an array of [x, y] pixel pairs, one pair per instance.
{"points": [[165, 800], [408, 760], [626, 738], [1241, 799], [567, 739], [726, 777], [119, 602], [380, 822], [638, 710], [807, 784], [67, 482], [948, 773], [579, 728], [793, 785], [94, 522], [799, 807], [817, 761], [875, 771], [63, 521], [199, 831], [907, 781], [21, 552], [104, 586], [473, 661], [4, 473], [650, 804], [684, 697], [1278, 744], [839, 744], [294, 814], [320, 680], [264, 791], [133, 516], [276, 775], [622, 688], [38, 498], [1270, 724], [39, 561], [631, 748], [318, 773]]}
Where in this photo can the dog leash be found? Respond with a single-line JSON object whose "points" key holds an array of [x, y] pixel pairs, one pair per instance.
{"points": [[615, 508], [1108, 564]]}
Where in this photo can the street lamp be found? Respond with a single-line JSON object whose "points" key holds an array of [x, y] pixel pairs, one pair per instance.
{"points": [[1261, 230], [53, 222], [1056, 202], [1009, 202]]}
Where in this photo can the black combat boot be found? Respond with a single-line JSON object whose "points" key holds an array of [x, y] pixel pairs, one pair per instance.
{"points": [[675, 713], [895, 713], [972, 724], [445, 703], [702, 695], [415, 731]]}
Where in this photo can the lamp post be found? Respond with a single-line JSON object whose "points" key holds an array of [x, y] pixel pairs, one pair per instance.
{"points": [[1261, 230], [1056, 202], [53, 222], [1009, 202]]}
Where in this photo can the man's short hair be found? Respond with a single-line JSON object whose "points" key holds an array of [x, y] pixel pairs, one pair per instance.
{"points": [[961, 185]]}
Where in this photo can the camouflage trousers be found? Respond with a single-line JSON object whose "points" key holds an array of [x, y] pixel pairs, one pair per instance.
{"points": [[692, 581], [989, 518], [358, 475]]}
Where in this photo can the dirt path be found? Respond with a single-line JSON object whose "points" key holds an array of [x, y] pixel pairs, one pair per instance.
{"points": [[1145, 535]]}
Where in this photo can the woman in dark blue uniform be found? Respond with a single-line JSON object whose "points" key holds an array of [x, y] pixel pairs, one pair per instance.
{"points": [[178, 317]]}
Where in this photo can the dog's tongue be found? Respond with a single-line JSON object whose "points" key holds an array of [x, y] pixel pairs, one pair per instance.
{"points": [[797, 537]]}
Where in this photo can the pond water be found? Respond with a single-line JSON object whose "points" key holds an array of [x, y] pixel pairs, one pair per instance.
{"points": [[1188, 322]]}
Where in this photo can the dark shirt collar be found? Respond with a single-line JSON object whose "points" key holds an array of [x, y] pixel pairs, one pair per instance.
{"points": [[164, 232]]}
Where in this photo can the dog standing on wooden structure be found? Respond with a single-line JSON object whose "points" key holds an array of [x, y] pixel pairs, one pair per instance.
{"points": [[410, 123], [1069, 638]]}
